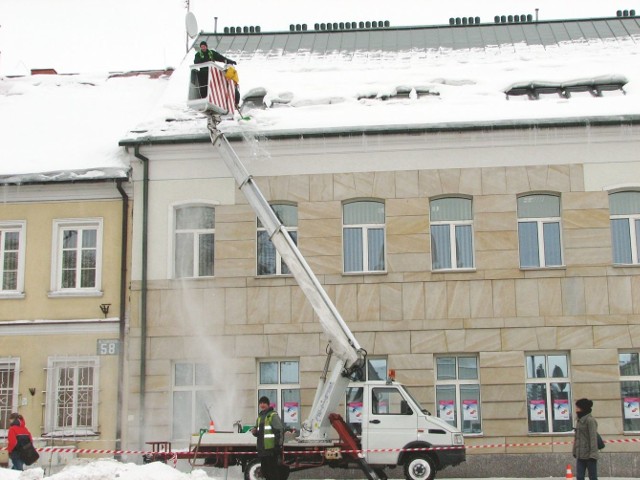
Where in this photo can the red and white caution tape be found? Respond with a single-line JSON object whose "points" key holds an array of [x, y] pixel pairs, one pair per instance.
{"points": [[174, 454]]}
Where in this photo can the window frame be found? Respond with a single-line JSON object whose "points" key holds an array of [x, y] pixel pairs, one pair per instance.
{"points": [[196, 232], [279, 387], [540, 223], [54, 364], [548, 390], [11, 394], [292, 230], [365, 228], [627, 423], [452, 224], [632, 230], [458, 384], [193, 388], [19, 226], [83, 224]]}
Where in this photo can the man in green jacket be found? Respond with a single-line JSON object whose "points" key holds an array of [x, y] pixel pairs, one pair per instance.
{"points": [[269, 431], [206, 55], [585, 445]]}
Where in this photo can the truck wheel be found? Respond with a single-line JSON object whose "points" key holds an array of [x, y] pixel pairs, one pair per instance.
{"points": [[419, 467], [253, 470]]}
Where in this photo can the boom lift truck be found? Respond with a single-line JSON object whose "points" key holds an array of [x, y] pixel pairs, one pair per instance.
{"points": [[395, 429]]}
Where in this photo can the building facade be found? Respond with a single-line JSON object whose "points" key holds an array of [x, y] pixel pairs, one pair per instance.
{"points": [[494, 269], [63, 296]]}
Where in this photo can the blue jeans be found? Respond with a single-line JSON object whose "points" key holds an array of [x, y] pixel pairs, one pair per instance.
{"points": [[16, 461], [590, 465]]}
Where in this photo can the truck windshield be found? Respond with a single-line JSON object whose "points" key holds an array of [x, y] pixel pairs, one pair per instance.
{"points": [[416, 402]]}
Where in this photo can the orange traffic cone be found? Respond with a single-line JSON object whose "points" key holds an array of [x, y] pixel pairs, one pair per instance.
{"points": [[212, 427], [569, 473]]}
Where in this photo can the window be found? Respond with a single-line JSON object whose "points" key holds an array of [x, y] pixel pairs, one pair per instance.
{"points": [[630, 390], [375, 369], [451, 234], [269, 260], [72, 395], [458, 392], [193, 399], [548, 393], [625, 227], [78, 256], [279, 381], [12, 257], [194, 241], [539, 233], [363, 236], [9, 369]]}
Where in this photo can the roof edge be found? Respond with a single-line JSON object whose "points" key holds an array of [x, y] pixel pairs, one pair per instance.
{"points": [[393, 129]]}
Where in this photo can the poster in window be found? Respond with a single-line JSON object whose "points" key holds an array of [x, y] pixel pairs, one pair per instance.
{"points": [[470, 409], [537, 410], [383, 407], [631, 408], [445, 410], [355, 412], [561, 409], [291, 410]]}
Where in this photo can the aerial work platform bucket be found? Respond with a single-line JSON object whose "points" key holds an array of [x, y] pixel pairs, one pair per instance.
{"points": [[210, 91]]}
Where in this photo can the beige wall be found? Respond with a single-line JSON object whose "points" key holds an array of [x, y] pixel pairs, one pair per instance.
{"points": [[38, 261], [587, 309], [37, 328]]}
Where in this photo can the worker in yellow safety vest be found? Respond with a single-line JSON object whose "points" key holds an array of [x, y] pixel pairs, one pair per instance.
{"points": [[269, 431]]}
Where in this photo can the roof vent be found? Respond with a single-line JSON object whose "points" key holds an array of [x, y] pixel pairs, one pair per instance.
{"points": [[513, 18], [464, 21], [626, 13]]}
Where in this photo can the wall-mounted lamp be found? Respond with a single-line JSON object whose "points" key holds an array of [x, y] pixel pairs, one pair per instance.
{"points": [[105, 308], [32, 391]]}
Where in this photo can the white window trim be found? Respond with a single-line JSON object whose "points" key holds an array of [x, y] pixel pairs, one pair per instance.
{"points": [[53, 364], [171, 257], [278, 259], [548, 380], [56, 255], [193, 388], [457, 382], [635, 255], [21, 227], [278, 387], [454, 247], [540, 222], [365, 227], [627, 378], [16, 383]]}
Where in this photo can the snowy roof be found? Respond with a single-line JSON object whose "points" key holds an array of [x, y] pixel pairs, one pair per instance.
{"points": [[63, 128], [417, 85]]}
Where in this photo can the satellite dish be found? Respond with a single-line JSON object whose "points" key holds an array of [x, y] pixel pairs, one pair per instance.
{"points": [[192, 25]]}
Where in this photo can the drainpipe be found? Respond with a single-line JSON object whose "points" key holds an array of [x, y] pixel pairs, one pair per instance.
{"points": [[123, 298], [143, 290]]}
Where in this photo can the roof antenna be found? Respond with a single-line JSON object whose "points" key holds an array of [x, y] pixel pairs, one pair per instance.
{"points": [[215, 25], [537, 14]]}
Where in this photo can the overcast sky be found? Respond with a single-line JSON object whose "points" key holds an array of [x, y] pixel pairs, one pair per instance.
{"points": [[87, 36]]}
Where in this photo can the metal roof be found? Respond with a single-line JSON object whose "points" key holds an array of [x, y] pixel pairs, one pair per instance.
{"points": [[427, 38]]}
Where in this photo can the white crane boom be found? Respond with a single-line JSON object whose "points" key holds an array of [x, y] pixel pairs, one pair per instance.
{"points": [[342, 343]]}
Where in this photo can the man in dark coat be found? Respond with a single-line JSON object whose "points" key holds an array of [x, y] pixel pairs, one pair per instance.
{"points": [[206, 55], [269, 430]]}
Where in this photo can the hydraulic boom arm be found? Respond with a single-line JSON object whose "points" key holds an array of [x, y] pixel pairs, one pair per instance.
{"points": [[342, 344]]}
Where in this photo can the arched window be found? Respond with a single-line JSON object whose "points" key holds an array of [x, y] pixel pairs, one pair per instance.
{"points": [[194, 241], [269, 261], [539, 232], [624, 208], [363, 233], [451, 233]]}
